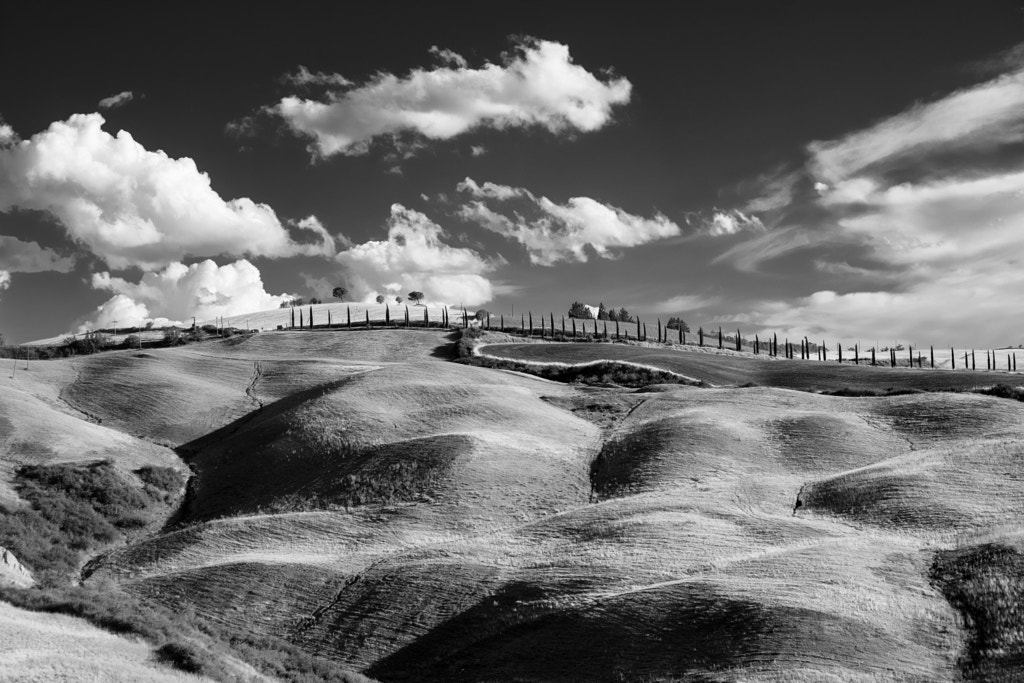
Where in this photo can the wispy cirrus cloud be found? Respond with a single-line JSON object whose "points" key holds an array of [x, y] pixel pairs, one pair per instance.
{"points": [[535, 84], [118, 100], [934, 197], [560, 232]]}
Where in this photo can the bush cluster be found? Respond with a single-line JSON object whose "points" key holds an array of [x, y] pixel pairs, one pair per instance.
{"points": [[73, 510]]}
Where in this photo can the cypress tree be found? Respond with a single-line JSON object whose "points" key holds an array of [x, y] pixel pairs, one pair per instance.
{"points": [[522, 324], [617, 330], [873, 355], [573, 328], [502, 322], [839, 345], [311, 316], [348, 316], [531, 323], [719, 336], [931, 350], [775, 344], [700, 335], [407, 316], [605, 329], [973, 364], [387, 315], [856, 354], [426, 318], [659, 330], [739, 340], [952, 358], [757, 344], [301, 324], [368, 319], [681, 341], [638, 329], [328, 318], [910, 354], [563, 326], [292, 325]]}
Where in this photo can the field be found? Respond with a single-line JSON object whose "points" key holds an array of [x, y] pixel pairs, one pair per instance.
{"points": [[360, 497]]}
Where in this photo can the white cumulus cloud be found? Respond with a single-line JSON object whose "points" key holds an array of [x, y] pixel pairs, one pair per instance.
{"points": [[414, 257], [134, 207], [561, 232], [537, 84], [179, 292]]}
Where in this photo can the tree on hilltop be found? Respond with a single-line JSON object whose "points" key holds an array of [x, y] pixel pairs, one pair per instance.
{"points": [[675, 323], [624, 316], [399, 299], [578, 310], [339, 293], [602, 312], [380, 298], [416, 297]]}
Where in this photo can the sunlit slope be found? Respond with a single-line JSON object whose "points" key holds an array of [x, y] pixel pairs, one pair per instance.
{"points": [[724, 369], [54, 647], [39, 427], [427, 521], [400, 434]]}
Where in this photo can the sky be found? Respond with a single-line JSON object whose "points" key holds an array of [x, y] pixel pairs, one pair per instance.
{"points": [[847, 171]]}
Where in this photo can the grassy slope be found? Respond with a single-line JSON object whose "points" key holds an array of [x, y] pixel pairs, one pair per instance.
{"points": [[54, 647], [723, 369], [469, 550]]}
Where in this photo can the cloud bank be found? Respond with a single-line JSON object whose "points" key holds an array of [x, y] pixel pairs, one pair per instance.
{"points": [[560, 232], [414, 257], [537, 84], [17, 256], [134, 207], [179, 292], [931, 202]]}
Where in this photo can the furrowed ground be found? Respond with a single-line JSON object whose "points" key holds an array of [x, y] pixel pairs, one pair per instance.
{"points": [[365, 500]]}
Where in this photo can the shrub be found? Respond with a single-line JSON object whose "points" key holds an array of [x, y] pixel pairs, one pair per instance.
{"points": [[73, 510]]}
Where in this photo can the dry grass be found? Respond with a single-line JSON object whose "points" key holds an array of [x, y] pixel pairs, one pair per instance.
{"points": [[420, 520]]}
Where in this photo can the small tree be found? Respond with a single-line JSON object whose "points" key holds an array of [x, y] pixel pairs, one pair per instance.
{"points": [[399, 299], [602, 312], [578, 310], [339, 293], [380, 298], [416, 297], [624, 316]]}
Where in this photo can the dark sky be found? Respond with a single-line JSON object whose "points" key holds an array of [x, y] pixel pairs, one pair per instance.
{"points": [[705, 172]]}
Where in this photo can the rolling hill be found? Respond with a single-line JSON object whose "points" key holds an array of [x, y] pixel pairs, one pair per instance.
{"points": [[370, 502]]}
